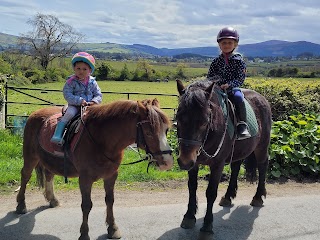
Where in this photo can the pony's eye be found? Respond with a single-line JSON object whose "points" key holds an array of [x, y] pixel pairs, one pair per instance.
{"points": [[203, 125], [148, 133]]}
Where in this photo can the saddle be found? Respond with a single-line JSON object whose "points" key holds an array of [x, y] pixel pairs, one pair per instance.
{"points": [[231, 118], [71, 135]]}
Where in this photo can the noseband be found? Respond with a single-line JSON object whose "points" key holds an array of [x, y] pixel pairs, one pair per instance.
{"points": [[190, 142], [141, 141]]}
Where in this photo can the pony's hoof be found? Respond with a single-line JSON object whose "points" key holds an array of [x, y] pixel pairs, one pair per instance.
{"points": [[84, 237], [256, 202], [114, 233], [188, 223], [225, 202], [54, 203], [21, 209], [206, 233], [205, 236]]}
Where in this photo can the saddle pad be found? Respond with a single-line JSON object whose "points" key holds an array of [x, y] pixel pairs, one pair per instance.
{"points": [[46, 133], [251, 116]]}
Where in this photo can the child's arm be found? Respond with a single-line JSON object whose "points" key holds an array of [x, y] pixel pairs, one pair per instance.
{"points": [[69, 95], [97, 95]]}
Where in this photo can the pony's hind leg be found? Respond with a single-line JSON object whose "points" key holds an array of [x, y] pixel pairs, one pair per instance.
{"points": [[226, 200], [261, 189], [189, 219], [113, 230], [26, 173], [49, 190]]}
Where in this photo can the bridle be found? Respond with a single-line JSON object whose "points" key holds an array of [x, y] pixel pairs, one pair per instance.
{"points": [[142, 144], [204, 140]]}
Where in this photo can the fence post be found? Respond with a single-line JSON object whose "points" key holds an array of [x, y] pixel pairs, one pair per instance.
{"points": [[2, 110], [2, 117]]}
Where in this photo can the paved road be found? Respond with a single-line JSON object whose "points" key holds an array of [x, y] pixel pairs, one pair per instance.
{"points": [[294, 218]]}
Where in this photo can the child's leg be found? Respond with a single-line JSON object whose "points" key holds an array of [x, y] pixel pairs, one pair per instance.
{"points": [[69, 114]]}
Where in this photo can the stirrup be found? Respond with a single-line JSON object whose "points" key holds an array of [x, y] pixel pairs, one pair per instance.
{"points": [[59, 142], [242, 130]]}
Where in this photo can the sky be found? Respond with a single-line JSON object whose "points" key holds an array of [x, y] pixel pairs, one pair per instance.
{"points": [[171, 23]]}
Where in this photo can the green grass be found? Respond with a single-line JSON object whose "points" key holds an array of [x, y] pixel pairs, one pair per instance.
{"points": [[11, 162]]}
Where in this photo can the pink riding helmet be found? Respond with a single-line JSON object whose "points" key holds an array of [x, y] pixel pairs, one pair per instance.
{"points": [[84, 57]]}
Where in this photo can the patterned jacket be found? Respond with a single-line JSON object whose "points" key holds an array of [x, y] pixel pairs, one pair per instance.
{"points": [[230, 70], [74, 91]]}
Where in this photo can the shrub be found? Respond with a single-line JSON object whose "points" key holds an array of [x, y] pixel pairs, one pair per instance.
{"points": [[35, 75], [294, 147], [55, 75], [287, 97]]}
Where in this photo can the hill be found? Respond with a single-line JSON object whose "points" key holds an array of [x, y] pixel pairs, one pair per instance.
{"points": [[273, 48]]}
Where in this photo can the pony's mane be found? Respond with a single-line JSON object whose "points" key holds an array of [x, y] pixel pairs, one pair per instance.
{"points": [[126, 108], [195, 97], [116, 109]]}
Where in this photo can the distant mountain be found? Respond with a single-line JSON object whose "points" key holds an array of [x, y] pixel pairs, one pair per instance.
{"points": [[279, 48], [273, 48]]}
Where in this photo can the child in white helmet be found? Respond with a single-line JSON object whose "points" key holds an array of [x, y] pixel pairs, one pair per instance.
{"points": [[80, 89]]}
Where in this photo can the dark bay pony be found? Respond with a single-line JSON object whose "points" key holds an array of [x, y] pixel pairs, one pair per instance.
{"points": [[107, 130], [202, 126]]}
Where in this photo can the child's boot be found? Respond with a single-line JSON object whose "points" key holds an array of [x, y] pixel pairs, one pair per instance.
{"points": [[57, 136]]}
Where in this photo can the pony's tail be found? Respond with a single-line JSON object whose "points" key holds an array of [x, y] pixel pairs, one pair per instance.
{"points": [[251, 168], [40, 176]]}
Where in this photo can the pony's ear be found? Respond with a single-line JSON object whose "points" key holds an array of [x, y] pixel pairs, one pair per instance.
{"points": [[156, 103], [143, 111], [145, 102], [180, 87], [209, 90]]}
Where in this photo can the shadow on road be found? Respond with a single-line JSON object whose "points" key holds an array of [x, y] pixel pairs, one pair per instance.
{"points": [[227, 224], [15, 226]]}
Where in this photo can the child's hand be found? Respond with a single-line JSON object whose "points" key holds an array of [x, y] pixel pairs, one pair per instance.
{"points": [[91, 103], [84, 103], [224, 86]]}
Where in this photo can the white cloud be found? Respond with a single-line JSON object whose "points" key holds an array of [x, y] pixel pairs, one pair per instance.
{"points": [[172, 23]]}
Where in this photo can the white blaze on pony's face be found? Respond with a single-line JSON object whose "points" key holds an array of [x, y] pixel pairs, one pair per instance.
{"points": [[164, 146], [154, 129]]}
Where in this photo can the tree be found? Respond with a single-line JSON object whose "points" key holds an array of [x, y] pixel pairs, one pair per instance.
{"points": [[125, 74], [181, 71], [103, 71], [146, 68], [49, 39]]}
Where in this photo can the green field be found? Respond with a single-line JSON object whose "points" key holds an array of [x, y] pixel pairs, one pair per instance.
{"points": [[112, 91]]}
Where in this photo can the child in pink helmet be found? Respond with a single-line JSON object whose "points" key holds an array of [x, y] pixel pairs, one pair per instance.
{"points": [[80, 89]]}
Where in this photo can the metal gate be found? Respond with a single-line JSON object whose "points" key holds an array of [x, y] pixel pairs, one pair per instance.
{"points": [[38, 98]]}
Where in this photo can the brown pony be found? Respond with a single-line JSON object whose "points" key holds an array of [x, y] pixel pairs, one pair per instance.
{"points": [[107, 130], [203, 135]]}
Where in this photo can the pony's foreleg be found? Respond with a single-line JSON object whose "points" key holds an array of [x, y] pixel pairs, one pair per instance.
{"points": [[26, 173], [233, 185], [211, 193], [49, 190], [189, 219], [86, 205], [261, 189], [113, 230]]}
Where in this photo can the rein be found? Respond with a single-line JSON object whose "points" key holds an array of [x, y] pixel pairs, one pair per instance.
{"points": [[203, 142]]}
